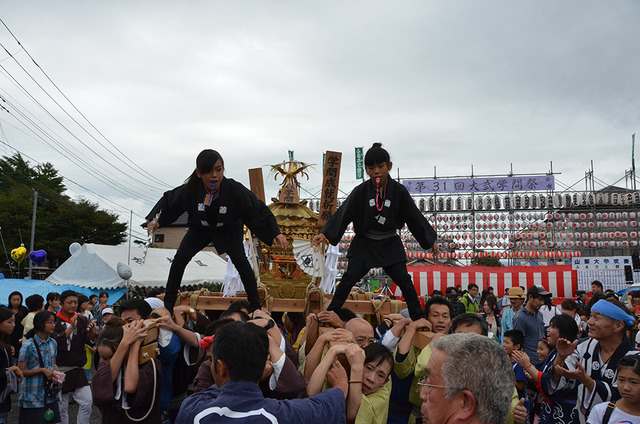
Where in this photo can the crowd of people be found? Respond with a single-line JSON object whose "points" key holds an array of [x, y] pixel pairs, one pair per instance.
{"points": [[488, 360], [517, 359]]}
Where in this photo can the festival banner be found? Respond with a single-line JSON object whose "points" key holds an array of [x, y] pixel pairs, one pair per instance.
{"points": [[330, 180], [608, 270], [614, 279], [600, 263], [359, 164], [480, 185]]}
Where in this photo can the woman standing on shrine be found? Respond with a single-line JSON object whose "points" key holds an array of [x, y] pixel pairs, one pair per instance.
{"points": [[378, 208], [217, 209]]}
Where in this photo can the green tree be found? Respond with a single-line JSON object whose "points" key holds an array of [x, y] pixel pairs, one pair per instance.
{"points": [[60, 220]]}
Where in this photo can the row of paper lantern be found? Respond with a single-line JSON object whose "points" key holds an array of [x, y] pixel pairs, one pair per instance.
{"points": [[410, 241], [500, 255], [471, 255], [538, 244], [491, 217], [533, 239], [517, 201], [538, 235], [536, 216], [520, 225], [529, 235]]}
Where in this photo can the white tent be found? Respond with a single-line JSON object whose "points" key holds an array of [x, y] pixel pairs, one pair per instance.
{"points": [[95, 265]]}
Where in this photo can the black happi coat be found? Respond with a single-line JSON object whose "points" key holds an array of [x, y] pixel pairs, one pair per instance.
{"points": [[398, 209], [606, 390], [224, 219]]}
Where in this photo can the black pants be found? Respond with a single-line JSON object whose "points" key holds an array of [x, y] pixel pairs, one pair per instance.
{"points": [[398, 273], [194, 241]]}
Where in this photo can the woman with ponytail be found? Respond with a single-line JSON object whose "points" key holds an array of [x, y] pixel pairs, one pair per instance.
{"points": [[218, 209]]}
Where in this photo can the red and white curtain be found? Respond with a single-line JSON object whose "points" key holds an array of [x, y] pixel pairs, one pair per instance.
{"points": [[560, 280]]}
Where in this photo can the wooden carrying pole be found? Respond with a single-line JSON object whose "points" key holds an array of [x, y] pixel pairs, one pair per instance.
{"points": [[219, 303]]}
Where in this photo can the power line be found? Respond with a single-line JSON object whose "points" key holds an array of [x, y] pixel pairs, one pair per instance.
{"points": [[136, 167], [125, 190], [63, 126], [123, 209]]}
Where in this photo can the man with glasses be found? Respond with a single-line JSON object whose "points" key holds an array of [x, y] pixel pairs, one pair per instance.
{"points": [[362, 331], [468, 379], [593, 364]]}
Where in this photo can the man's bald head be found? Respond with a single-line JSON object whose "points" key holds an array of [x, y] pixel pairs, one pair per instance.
{"points": [[362, 331]]}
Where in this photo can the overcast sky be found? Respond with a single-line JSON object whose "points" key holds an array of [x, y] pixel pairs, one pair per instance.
{"points": [[445, 84]]}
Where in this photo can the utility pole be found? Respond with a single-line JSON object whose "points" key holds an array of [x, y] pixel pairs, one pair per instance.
{"points": [[33, 228]]}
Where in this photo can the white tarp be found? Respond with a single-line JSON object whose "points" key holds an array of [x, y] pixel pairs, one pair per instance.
{"points": [[94, 265]]}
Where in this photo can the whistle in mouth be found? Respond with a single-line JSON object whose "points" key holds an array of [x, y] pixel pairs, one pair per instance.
{"points": [[377, 180]]}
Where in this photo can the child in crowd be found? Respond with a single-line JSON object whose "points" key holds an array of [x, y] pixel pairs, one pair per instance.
{"points": [[35, 304], [9, 383], [53, 302], [369, 383], [378, 208], [37, 360], [513, 340], [84, 308], [627, 409], [544, 349]]}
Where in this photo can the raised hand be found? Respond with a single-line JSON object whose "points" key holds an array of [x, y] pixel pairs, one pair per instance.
{"points": [[521, 358], [355, 354], [565, 348], [342, 335], [330, 317]]}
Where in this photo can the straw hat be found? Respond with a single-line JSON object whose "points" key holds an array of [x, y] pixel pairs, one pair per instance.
{"points": [[516, 293]]}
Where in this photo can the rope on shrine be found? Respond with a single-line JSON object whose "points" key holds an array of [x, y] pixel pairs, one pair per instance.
{"points": [[193, 302], [268, 299], [313, 288], [182, 295], [395, 306], [377, 305], [367, 295]]}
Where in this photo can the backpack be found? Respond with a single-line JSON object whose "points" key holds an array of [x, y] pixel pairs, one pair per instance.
{"points": [[458, 309]]}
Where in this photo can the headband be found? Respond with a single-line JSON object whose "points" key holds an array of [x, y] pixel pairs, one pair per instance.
{"points": [[612, 311]]}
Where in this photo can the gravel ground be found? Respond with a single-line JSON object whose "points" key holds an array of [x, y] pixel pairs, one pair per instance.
{"points": [[96, 416]]}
